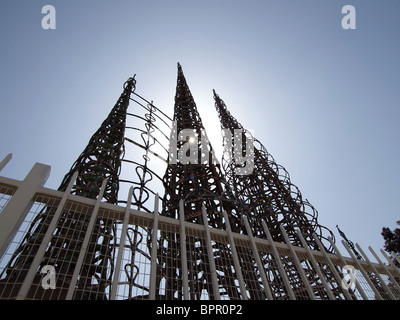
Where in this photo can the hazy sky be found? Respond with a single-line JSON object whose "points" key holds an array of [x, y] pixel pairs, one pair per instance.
{"points": [[323, 100]]}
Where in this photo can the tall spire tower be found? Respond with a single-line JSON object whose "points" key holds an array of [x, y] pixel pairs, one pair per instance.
{"points": [[193, 179], [268, 194], [100, 160], [193, 174]]}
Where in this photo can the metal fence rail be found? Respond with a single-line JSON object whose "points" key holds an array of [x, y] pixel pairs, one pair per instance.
{"points": [[139, 269]]}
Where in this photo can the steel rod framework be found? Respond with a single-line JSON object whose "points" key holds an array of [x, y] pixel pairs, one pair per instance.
{"points": [[191, 186], [266, 193], [93, 209], [231, 232], [100, 160]]}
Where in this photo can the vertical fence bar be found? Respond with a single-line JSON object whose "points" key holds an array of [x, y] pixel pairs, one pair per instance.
{"points": [[277, 257], [185, 279], [211, 260], [395, 256], [121, 246], [5, 161], [390, 262], [260, 266], [298, 264], [14, 213], [85, 242], [376, 272], [235, 257], [331, 265], [315, 265], [362, 271], [23, 291], [359, 288], [384, 267], [153, 268]]}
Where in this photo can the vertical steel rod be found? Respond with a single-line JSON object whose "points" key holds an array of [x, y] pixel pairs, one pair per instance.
{"points": [[211, 260], [395, 256], [85, 243], [359, 288], [331, 266], [14, 213], [376, 272], [121, 246], [260, 266], [384, 267], [298, 264], [23, 291], [235, 257], [390, 262], [278, 261], [362, 270], [5, 161], [315, 265], [185, 279], [153, 269]]}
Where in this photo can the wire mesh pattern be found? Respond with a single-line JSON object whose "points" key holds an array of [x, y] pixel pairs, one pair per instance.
{"points": [[133, 279], [247, 237], [6, 193], [16, 262]]}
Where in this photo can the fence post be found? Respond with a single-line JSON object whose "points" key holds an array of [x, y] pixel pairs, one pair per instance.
{"points": [[211, 260], [331, 265], [278, 261], [6, 160], [153, 268], [121, 245], [376, 272], [315, 265], [14, 213], [23, 291], [395, 256], [298, 264], [235, 257], [185, 279], [267, 288], [384, 267], [362, 271], [390, 262], [359, 288], [85, 242]]}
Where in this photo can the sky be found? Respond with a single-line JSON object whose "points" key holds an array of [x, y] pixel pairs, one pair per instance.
{"points": [[322, 99]]}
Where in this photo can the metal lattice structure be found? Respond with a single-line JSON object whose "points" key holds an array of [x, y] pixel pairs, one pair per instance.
{"points": [[99, 162], [21, 202], [267, 194], [193, 179], [237, 231]]}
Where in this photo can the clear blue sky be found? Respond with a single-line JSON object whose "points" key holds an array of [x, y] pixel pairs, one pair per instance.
{"points": [[323, 100]]}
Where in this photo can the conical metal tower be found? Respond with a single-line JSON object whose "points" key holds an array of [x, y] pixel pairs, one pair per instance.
{"points": [[100, 160], [193, 180], [267, 194]]}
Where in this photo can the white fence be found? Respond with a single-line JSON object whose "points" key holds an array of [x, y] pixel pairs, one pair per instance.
{"points": [[254, 269]]}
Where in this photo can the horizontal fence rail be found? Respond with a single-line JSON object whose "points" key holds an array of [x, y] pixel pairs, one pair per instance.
{"points": [[137, 267]]}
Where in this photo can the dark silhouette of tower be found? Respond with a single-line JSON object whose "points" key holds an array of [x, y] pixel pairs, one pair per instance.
{"points": [[267, 194], [100, 160], [100, 253], [194, 177]]}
